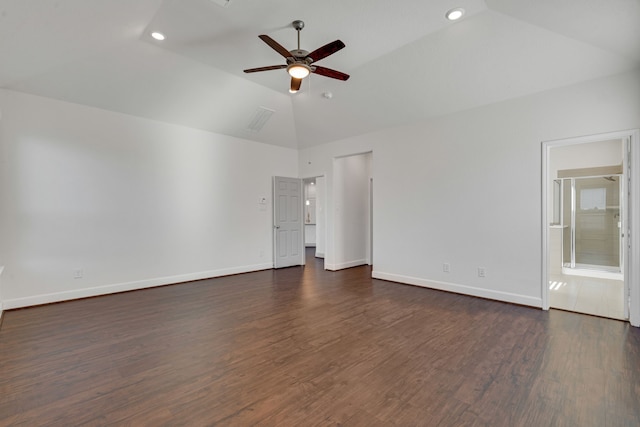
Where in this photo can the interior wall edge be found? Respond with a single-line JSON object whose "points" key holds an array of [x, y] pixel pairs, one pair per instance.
{"points": [[460, 289], [347, 264], [40, 299]]}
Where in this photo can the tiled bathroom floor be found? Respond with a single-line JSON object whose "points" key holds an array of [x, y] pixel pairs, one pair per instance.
{"points": [[599, 297]]}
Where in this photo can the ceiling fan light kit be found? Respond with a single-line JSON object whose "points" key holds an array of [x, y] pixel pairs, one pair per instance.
{"points": [[298, 70], [298, 61]]}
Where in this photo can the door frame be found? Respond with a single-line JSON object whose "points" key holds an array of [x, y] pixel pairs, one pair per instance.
{"points": [[324, 215], [631, 162]]}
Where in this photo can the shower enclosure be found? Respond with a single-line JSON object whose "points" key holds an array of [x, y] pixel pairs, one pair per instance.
{"points": [[592, 225]]}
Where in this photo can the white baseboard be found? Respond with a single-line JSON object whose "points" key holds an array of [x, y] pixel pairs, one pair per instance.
{"points": [[460, 289], [320, 255], [343, 265], [128, 286]]}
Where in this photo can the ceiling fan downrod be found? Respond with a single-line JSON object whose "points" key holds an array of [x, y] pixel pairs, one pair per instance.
{"points": [[298, 25]]}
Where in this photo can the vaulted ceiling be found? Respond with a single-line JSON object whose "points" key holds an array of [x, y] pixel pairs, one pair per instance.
{"points": [[406, 60]]}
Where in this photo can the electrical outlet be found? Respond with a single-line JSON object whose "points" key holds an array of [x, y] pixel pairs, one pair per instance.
{"points": [[446, 267], [77, 273], [482, 272]]}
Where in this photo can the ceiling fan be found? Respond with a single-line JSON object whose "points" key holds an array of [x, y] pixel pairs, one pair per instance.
{"points": [[299, 62]]}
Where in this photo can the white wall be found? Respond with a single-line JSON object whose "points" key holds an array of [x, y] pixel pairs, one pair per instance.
{"points": [[465, 188], [129, 201], [587, 155], [309, 235], [137, 203]]}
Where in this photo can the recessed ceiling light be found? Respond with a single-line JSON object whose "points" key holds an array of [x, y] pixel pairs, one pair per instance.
{"points": [[158, 36], [455, 14], [293, 91]]}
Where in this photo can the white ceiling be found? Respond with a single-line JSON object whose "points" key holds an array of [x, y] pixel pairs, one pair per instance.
{"points": [[406, 61]]}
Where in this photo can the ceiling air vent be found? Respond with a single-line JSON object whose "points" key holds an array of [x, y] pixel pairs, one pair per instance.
{"points": [[223, 3], [260, 118]]}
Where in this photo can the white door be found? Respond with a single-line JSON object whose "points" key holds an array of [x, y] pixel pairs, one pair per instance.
{"points": [[287, 222]]}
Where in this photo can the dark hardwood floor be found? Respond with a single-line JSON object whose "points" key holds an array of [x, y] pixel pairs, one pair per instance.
{"points": [[307, 347]]}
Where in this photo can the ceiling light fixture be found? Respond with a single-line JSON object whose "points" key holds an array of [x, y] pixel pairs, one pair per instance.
{"points": [[298, 70], [455, 14], [293, 91], [158, 36]]}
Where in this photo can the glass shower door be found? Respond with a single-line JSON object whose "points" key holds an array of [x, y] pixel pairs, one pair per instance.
{"points": [[596, 222]]}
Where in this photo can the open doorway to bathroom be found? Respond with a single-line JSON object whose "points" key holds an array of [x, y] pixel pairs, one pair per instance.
{"points": [[587, 219], [587, 272]]}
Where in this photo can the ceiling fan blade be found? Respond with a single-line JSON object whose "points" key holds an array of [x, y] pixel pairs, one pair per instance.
{"points": [[328, 72], [326, 50], [275, 45], [271, 67], [295, 84]]}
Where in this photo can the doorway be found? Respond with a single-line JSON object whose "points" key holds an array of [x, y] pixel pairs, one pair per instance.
{"points": [[314, 216], [351, 212], [588, 212], [590, 279]]}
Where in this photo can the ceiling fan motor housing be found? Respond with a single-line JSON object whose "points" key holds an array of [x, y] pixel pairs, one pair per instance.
{"points": [[299, 53]]}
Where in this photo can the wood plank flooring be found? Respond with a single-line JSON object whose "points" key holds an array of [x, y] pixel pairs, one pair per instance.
{"points": [[307, 347]]}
